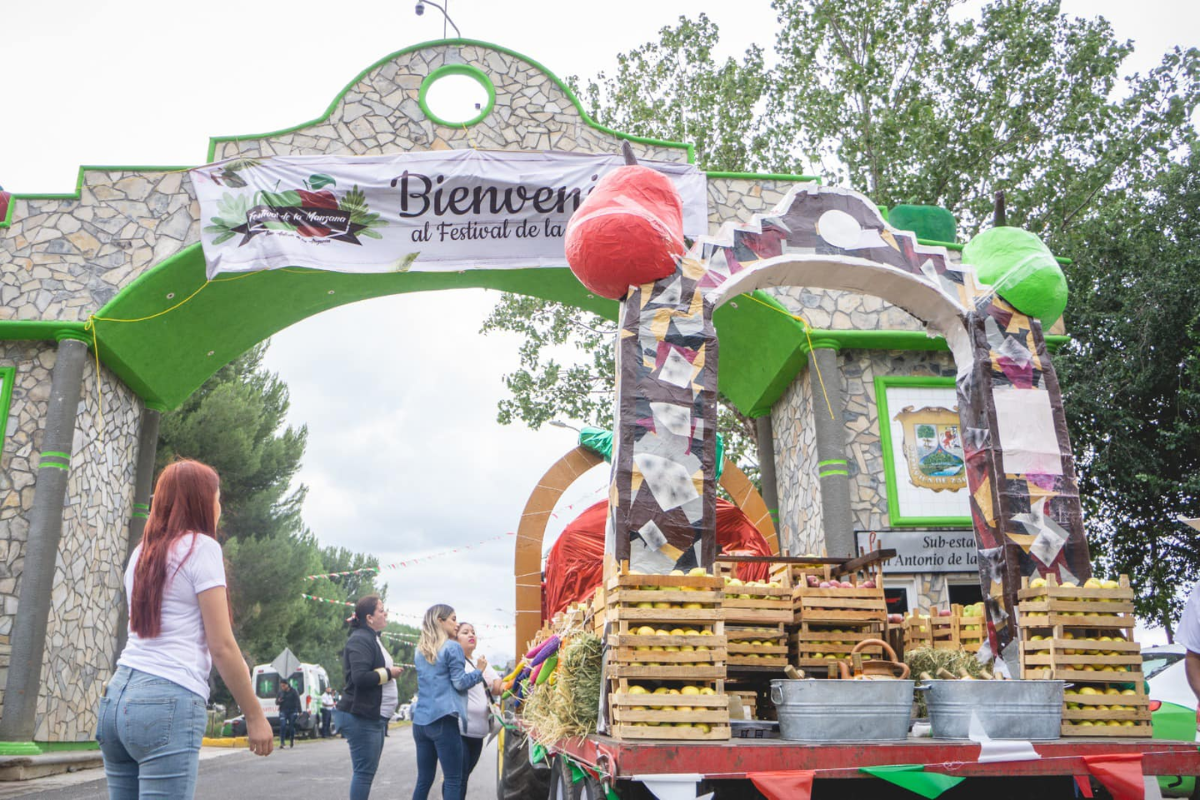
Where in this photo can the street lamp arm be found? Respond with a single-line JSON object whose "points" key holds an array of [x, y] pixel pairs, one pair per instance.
{"points": [[444, 14]]}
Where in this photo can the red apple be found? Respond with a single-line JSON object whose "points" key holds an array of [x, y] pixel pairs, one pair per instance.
{"points": [[945, 612], [814, 581], [825, 585], [868, 584]]}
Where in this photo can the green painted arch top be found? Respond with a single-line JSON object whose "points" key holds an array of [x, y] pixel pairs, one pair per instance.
{"points": [[469, 71]]}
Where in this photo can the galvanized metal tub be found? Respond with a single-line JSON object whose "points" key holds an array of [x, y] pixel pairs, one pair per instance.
{"points": [[1029, 710], [843, 710]]}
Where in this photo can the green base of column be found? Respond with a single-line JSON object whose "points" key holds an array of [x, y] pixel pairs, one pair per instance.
{"points": [[67, 747], [41, 748]]}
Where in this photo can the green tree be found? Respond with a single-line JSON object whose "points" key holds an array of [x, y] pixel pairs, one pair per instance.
{"points": [[899, 99], [1131, 379], [233, 423]]}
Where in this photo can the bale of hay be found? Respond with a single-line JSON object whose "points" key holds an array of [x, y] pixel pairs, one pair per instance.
{"points": [[570, 706]]}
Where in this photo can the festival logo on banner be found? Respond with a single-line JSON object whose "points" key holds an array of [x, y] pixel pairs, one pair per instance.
{"points": [[316, 211], [933, 448]]}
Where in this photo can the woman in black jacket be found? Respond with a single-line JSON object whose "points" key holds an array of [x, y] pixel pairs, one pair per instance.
{"points": [[370, 696]]}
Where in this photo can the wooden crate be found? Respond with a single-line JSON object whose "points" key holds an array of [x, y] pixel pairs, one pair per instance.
{"points": [[772, 653], [790, 576], [681, 662], [1075, 607], [866, 606], [955, 632], [1063, 633], [815, 646], [660, 716], [757, 604]]}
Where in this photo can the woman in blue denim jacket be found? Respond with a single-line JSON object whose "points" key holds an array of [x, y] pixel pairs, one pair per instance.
{"points": [[442, 685]]}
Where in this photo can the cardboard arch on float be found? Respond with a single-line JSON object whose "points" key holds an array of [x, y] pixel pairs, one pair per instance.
{"points": [[531, 532]]}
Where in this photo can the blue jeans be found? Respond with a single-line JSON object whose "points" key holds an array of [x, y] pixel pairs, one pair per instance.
{"points": [[365, 737], [439, 741], [287, 727], [150, 731]]}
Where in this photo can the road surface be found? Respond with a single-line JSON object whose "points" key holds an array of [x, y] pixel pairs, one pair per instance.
{"points": [[317, 770]]}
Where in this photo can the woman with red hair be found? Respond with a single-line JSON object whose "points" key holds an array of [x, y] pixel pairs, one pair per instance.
{"points": [[152, 715]]}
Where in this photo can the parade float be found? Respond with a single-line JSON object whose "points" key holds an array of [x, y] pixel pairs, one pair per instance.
{"points": [[903, 384]]}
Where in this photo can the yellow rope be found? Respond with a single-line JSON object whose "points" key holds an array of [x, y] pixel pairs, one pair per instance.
{"points": [[803, 322]]}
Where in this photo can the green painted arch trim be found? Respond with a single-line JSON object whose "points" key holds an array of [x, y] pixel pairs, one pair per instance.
{"points": [[469, 70], [140, 515], [56, 454], [832, 472], [19, 749], [142, 506], [688, 147], [36, 330], [54, 464], [828, 461]]}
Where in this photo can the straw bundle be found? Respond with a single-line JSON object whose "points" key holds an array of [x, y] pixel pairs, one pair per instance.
{"points": [[569, 707]]}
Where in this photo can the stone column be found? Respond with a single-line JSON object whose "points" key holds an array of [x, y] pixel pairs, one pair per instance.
{"points": [[766, 466], [143, 484], [41, 548], [825, 378]]}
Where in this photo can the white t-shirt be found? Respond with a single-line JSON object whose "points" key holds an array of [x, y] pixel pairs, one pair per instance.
{"points": [[1188, 633], [391, 693], [477, 704], [180, 651]]}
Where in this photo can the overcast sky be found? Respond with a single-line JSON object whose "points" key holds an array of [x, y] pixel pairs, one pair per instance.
{"points": [[405, 457]]}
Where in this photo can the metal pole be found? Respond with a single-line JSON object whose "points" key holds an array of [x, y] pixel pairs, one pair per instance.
{"points": [[143, 484], [766, 470], [825, 378], [41, 548]]}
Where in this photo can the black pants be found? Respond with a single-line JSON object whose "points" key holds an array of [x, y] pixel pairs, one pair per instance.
{"points": [[326, 716], [471, 749]]}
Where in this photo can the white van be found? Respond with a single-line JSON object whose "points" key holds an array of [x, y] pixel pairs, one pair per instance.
{"points": [[309, 680]]}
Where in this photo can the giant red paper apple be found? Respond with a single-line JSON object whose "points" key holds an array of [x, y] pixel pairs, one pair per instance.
{"points": [[629, 231]]}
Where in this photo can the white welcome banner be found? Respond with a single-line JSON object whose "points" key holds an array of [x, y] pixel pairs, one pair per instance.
{"points": [[431, 212]]}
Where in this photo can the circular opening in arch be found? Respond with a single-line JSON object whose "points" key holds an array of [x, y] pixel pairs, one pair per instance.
{"points": [[456, 95]]}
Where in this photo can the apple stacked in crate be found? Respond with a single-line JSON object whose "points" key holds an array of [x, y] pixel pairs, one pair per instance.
{"points": [[1084, 635], [832, 615], [667, 656], [755, 614], [954, 628]]}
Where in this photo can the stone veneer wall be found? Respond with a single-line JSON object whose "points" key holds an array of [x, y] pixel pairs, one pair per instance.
{"points": [[800, 527], [86, 593]]}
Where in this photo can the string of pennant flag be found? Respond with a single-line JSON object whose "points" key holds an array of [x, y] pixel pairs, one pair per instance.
{"points": [[396, 613], [410, 561]]}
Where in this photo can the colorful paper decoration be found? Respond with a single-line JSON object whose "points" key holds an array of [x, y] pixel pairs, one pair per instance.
{"points": [[914, 778], [788, 785], [1120, 774]]}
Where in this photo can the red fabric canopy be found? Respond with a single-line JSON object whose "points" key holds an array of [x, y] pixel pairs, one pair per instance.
{"points": [[575, 565]]}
